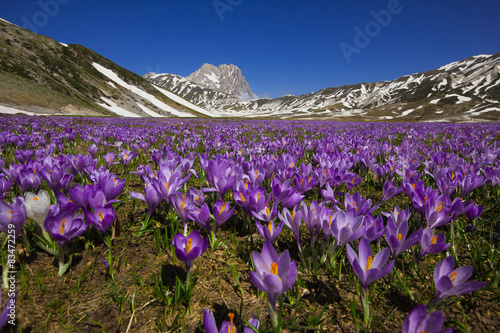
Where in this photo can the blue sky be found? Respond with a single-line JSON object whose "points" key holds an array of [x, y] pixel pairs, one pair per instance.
{"points": [[281, 46]]}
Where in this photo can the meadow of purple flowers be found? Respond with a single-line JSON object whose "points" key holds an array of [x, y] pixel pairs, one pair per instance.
{"points": [[189, 225]]}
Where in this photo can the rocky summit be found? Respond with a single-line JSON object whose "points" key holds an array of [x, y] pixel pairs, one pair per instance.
{"points": [[225, 79]]}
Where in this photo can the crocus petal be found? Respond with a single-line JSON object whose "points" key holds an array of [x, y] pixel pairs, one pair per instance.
{"points": [[209, 322]]}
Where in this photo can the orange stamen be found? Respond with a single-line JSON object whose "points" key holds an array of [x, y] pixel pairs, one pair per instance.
{"points": [[369, 262], [188, 245], [63, 222]]}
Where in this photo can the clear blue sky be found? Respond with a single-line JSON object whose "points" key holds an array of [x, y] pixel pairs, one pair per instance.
{"points": [[281, 46]]}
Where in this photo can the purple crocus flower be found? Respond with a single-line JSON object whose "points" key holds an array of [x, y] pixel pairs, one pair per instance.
{"points": [[398, 216], [127, 156], [187, 249], [347, 227], [430, 244], [102, 217], [273, 274], [5, 185], [150, 196], [285, 193], [396, 237], [293, 221], [374, 227], [357, 203], [419, 321], [269, 232], [182, 205], [12, 214], [389, 191], [109, 158], [11, 303], [365, 266], [474, 212], [227, 326], [266, 214], [310, 215], [222, 212], [220, 176], [201, 217], [452, 282], [111, 185], [329, 195], [65, 226]]}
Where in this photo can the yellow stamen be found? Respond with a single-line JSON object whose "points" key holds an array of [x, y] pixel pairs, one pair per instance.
{"points": [[231, 328], [242, 197], [293, 215], [413, 186], [35, 199], [369, 262], [330, 220], [439, 207], [222, 208], [425, 200], [274, 268], [100, 215], [63, 222], [270, 227], [399, 237], [188, 245], [453, 276], [434, 239], [267, 209]]}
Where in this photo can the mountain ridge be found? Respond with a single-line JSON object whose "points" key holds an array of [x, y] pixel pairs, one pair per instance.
{"points": [[472, 83]]}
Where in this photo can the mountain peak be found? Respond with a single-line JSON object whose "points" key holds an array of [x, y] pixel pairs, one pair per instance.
{"points": [[226, 79]]}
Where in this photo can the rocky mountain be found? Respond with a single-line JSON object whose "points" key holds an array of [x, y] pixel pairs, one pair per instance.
{"points": [[466, 90], [39, 75], [225, 79]]}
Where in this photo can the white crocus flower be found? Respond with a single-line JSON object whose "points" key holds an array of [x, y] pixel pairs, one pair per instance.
{"points": [[37, 206]]}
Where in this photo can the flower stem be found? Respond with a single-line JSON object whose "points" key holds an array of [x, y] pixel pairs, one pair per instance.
{"points": [[62, 269], [366, 307], [273, 317]]}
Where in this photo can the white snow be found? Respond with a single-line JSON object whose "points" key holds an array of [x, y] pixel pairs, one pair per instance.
{"points": [[461, 99], [212, 77], [116, 109], [149, 111], [477, 113], [111, 84], [434, 101], [63, 44], [406, 112], [386, 117], [182, 101], [442, 83], [150, 98], [8, 110]]}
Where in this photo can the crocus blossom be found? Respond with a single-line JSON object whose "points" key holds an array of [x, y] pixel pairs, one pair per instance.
{"points": [[273, 274], [419, 321], [369, 268], [451, 282]]}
